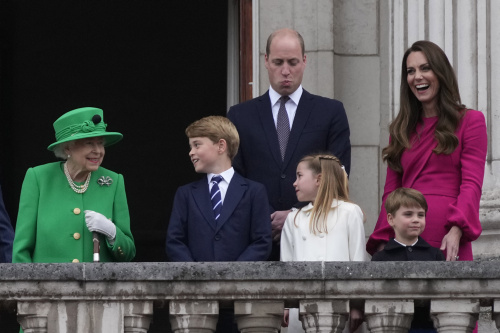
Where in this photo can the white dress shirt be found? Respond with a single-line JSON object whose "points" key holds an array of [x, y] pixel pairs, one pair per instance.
{"points": [[223, 184], [291, 105]]}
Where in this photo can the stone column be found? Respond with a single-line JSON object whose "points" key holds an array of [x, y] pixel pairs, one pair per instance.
{"points": [[454, 315], [33, 316], [86, 316], [137, 316], [259, 316], [324, 316], [489, 99], [496, 312], [194, 316], [389, 315]]}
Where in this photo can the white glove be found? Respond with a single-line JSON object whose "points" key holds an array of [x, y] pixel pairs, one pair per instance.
{"points": [[99, 223]]}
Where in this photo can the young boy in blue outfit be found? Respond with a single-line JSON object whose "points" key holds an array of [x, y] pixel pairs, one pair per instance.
{"points": [[406, 209], [222, 218]]}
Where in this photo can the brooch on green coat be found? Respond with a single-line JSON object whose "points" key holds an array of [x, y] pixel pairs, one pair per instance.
{"points": [[105, 181]]}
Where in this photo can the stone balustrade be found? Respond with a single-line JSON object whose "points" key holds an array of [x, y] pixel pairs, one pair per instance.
{"points": [[121, 297]]}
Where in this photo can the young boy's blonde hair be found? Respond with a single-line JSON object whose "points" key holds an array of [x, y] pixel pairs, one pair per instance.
{"points": [[333, 185], [406, 197], [216, 128]]}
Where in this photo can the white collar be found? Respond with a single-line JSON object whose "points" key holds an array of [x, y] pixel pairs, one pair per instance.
{"points": [[295, 96], [226, 175], [405, 244]]}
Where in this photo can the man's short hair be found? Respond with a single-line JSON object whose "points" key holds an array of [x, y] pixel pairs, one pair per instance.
{"points": [[216, 128], [275, 33], [406, 197]]}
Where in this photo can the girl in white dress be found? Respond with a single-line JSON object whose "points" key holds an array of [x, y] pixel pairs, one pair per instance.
{"points": [[329, 228]]}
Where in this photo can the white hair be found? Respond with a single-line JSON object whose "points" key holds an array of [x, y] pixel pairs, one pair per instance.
{"points": [[59, 150]]}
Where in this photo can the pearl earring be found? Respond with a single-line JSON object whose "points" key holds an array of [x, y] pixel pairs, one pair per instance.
{"points": [[69, 156]]}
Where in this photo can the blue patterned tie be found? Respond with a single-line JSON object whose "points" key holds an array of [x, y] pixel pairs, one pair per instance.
{"points": [[283, 126], [215, 196]]}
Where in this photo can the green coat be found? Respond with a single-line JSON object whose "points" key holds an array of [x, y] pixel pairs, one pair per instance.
{"points": [[51, 220]]}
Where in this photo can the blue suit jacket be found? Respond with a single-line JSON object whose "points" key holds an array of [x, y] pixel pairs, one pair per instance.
{"points": [[6, 233], [320, 125], [242, 232]]}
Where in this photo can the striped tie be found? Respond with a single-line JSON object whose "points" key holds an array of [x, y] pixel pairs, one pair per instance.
{"points": [[215, 196]]}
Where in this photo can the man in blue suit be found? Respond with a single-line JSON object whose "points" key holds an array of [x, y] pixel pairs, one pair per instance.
{"points": [[223, 216], [315, 124], [6, 233]]}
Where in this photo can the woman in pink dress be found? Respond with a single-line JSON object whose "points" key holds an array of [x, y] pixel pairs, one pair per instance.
{"points": [[437, 146]]}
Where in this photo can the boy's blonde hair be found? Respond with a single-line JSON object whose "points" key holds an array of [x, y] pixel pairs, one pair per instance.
{"points": [[406, 197], [333, 185], [216, 128]]}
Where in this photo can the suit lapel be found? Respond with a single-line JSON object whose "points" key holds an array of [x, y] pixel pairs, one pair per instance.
{"points": [[237, 187], [304, 109], [201, 196], [267, 121]]}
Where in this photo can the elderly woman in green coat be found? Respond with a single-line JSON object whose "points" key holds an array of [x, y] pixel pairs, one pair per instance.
{"points": [[63, 203]]}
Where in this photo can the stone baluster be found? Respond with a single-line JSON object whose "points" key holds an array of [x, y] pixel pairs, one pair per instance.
{"points": [[496, 312], [258, 316], [389, 315], [33, 316], [136, 323], [87, 316], [194, 316], [137, 316], [459, 315], [324, 316]]}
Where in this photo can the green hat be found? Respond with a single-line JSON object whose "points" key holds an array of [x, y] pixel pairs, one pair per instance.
{"points": [[83, 123]]}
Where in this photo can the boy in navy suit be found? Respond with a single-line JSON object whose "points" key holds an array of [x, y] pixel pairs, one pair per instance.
{"points": [[406, 209], [222, 218]]}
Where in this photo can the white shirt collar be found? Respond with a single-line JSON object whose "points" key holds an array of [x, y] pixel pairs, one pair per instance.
{"points": [[295, 96], [226, 175], [404, 244]]}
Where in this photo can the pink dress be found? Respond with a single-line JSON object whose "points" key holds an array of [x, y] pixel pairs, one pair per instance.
{"points": [[450, 183]]}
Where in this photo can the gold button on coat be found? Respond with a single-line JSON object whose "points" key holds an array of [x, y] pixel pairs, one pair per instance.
{"points": [[76, 235], [76, 260], [76, 211]]}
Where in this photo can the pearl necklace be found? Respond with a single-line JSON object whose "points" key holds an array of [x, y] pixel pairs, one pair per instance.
{"points": [[76, 188]]}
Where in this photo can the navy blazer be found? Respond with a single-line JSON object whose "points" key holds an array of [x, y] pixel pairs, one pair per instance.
{"points": [[242, 232], [320, 125], [6, 233]]}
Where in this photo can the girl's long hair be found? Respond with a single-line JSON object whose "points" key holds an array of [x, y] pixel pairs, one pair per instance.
{"points": [[410, 113], [333, 185]]}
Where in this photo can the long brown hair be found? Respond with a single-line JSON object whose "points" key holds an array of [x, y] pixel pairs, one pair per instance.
{"points": [[449, 107], [333, 185]]}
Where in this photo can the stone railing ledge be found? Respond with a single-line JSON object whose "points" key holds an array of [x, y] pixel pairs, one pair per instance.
{"points": [[249, 271], [126, 294]]}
